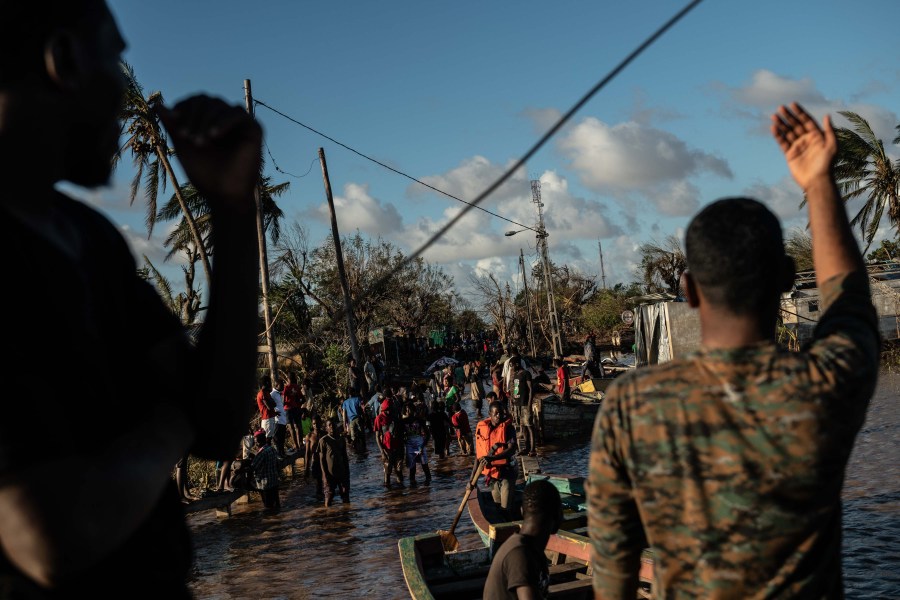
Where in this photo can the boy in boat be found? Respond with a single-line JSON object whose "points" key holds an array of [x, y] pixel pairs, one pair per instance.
{"points": [[732, 460], [495, 443], [519, 569]]}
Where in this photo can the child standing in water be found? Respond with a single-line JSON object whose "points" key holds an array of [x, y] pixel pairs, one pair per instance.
{"points": [[416, 438], [335, 464], [265, 471]]}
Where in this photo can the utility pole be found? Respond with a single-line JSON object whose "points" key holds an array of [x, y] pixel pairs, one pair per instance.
{"points": [[527, 302], [263, 255], [555, 333], [339, 255], [602, 270]]}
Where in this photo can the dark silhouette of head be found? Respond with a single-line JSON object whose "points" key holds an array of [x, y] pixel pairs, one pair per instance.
{"points": [[735, 255], [542, 505], [61, 89]]}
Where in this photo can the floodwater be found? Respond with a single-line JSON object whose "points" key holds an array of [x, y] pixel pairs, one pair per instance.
{"points": [[350, 550]]}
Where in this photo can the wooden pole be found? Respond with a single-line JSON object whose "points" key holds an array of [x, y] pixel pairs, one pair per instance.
{"points": [[263, 256], [339, 255], [527, 302]]}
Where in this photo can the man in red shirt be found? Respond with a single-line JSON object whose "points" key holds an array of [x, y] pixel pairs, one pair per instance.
{"points": [[460, 422], [267, 414], [390, 443], [293, 402]]}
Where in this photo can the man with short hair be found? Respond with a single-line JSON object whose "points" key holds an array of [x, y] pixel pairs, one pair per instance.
{"points": [[119, 522], [730, 462], [521, 400], [495, 443], [352, 411], [511, 366], [519, 569], [265, 402], [389, 438]]}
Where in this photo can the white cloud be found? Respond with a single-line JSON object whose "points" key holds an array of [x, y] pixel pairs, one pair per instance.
{"points": [[631, 158], [471, 178], [783, 198], [767, 90], [357, 209]]}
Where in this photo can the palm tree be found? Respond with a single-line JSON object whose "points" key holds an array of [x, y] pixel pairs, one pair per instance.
{"points": [[185, 305], [182, 237], [662, 265], [150, 151], [864, 170]]}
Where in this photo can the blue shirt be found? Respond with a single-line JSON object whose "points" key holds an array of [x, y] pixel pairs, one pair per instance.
{"points": [[352, 407]]}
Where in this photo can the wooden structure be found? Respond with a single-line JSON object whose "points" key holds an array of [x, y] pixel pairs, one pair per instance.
{"points": [[432, 574]]}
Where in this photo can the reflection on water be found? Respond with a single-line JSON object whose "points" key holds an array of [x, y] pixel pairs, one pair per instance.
{"points": [[308, 551]]}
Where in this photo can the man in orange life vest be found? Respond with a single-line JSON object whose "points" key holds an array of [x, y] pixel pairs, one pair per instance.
{"points": [[495, 442]]}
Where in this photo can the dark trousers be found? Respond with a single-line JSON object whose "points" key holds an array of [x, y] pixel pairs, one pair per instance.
{"points": [[334, 486], [270, 498]]}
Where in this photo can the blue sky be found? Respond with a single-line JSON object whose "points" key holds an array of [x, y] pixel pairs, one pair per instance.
{"points": [[453, 92]]}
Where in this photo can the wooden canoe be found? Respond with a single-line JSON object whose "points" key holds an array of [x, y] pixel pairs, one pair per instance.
{"points": [[433, 574], [485, 515]]}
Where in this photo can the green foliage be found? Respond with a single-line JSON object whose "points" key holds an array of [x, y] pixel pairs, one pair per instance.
{"points": [[603, 313], [864, 171], [335, 363], [798, 246], [662, 265], [888, 250]]}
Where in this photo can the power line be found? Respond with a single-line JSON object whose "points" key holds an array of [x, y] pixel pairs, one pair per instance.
{"points": [[519, 163], [282, 171], [390, 168]]}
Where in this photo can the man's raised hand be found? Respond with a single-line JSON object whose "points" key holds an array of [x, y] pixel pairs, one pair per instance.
{"points": [[808, 149]]}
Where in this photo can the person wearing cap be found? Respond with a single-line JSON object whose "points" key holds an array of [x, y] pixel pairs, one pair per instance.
{"points": [[390, 442]]}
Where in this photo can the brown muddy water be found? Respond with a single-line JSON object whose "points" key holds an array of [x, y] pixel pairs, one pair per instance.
{"points": [[350, 550]]}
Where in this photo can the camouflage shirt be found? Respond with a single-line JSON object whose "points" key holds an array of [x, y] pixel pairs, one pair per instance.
{"points": [[729, 463]]}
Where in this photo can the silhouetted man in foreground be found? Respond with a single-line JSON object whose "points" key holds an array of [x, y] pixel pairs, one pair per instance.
{"points": [[729, 463], [97, 520], [519, 569]]}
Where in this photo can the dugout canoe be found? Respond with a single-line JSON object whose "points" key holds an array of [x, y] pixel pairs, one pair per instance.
{"points": [[487, 516], [434, 574], [484, 512]]}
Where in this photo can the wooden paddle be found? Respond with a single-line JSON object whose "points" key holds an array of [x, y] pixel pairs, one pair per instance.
{"points": [[448, 540]]}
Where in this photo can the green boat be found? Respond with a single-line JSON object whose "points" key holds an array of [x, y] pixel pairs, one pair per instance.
{"points": [[431, 573]]}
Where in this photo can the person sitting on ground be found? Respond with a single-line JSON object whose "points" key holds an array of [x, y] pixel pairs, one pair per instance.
{"points": [[460, 422], [335, 464], [495, 443], [519, 569], [266, 472], [731, 461]]}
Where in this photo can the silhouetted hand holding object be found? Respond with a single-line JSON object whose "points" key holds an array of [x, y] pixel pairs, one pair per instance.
{"points": [[220, 148], [808, 149]]}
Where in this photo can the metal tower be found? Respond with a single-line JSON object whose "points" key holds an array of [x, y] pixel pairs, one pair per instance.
{"points": [[555, 332]]}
